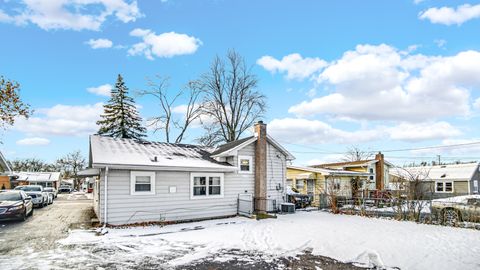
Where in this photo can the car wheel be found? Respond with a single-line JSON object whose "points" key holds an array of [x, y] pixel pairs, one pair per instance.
{"points": [[450, 217], [31, 212]]}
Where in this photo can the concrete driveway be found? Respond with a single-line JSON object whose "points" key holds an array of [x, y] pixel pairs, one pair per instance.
{"points": [[46, 226]]}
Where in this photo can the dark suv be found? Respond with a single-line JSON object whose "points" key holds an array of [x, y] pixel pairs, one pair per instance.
{"points": [[15, 204]]}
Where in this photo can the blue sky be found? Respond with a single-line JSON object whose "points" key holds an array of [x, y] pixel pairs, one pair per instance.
{"points": [[377, 74]]}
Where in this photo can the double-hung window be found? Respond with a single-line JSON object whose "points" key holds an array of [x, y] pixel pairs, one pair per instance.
{"points": [[142, 183], [206, 185], [245, 164], [444, 187]]}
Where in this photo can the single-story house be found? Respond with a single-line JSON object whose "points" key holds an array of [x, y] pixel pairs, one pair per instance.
{"points": [[5, 173], [440, 181], [316, 181], [45, 179], [140, 181], [378, 170]]}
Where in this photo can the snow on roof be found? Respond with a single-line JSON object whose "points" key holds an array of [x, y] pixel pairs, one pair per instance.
{"points": [[129, 152], [327, 171], [38, 176], [439, 172]]}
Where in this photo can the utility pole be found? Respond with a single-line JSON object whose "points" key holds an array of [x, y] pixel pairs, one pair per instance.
{"points": [[438, 159]]}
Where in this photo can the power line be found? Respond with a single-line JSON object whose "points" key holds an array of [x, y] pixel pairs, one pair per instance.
{"points": [[460, 145]]}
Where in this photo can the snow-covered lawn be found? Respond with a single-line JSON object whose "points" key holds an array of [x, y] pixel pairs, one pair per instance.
{"points": [[368, 241]]}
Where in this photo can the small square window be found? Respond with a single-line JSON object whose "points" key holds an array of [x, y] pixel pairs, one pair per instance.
{"points": [[142, 183], [245, 164]]}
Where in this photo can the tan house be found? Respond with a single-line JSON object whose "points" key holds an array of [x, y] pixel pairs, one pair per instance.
{"points": [[316, 181], [378, 170]]}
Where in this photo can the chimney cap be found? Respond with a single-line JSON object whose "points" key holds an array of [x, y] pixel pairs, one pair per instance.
{"points": [[260, 122]]}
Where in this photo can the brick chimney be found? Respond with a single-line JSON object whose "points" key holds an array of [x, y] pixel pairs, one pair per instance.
{"points": [[261, 167], [380, 171]]}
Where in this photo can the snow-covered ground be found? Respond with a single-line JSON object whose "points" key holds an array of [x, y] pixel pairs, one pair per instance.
{"points": [[367, 241]]}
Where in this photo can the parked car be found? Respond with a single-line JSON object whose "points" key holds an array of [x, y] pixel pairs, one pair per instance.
{"points": [[15, 204], [65, 188], [51, 190], [451, 211], [39, 197]]}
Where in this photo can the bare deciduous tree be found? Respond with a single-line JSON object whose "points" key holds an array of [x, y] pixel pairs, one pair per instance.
{"points": [[231, 99], [166, 120], [71, 164], [31, 165], [416, 195], [354, 153]]}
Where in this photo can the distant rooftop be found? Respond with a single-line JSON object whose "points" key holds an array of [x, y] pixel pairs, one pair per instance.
{"points": [[439, 172]]}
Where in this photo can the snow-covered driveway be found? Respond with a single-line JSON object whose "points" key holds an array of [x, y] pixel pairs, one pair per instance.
{"points": [[371, 241]]}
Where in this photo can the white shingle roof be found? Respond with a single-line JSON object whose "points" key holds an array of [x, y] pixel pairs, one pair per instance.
{"points": [[446, 172], [38, 176], [115, 151]]}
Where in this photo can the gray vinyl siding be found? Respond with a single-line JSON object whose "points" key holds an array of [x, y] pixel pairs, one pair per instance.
{"points": [[124, 208], [276, 174]]}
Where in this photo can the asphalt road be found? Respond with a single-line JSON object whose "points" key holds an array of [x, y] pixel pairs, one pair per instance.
{"points": [[46, 226]]}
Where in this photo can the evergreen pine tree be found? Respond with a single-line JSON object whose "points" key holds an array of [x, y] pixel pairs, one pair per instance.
{"points": [[120, 118]]}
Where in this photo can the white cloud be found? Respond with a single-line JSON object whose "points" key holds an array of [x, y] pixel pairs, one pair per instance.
{"points": [[294, 65], [382, 83], [101, 43], [440, 43], [102, 90], [317, 132], [62, 120], [33, 141], [312, 132], [472, 149], [423, 131], [312, 92], [71, 14], [449, 16], [476, 104], [165, 45]]}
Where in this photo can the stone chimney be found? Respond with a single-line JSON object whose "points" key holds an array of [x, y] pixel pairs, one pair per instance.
{"points": [[261, 167], [380, 171]]}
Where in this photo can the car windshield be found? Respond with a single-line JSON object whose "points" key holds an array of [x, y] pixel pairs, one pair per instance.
{"points": [[31, 188], [10, 196]]}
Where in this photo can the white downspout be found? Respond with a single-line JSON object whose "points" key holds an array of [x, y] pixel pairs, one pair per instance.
{"points": [[106, 197]]}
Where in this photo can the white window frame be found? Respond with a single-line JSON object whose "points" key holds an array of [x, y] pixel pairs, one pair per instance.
{"points": [[133, 177], [250, 162], [444, 187], [475, 186], [207, 196]]}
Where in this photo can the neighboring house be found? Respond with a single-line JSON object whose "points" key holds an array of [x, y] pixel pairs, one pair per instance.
{"points": [[441, 180], [378, 170], [316, 181], [45, 179], [152, 182], [5, 173]]}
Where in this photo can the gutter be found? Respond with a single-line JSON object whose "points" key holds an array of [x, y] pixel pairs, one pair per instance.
{"points": [[105, 220], [165, 168]]}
